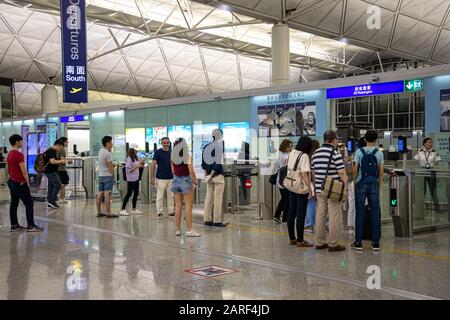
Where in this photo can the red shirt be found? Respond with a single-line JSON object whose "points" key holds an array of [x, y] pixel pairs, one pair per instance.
{"points": [[14, 159], [181, 170]]}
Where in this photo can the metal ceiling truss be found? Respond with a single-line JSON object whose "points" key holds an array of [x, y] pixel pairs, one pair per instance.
{"points": [[272, 17]]}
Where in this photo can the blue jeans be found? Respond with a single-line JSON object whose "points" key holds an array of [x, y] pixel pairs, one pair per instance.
{"points": [[372, 193], [53, 186], [311, 213], [181, 185], [296, 215]]}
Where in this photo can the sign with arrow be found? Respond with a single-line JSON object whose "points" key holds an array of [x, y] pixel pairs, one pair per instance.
{"points": [[413, 85]]}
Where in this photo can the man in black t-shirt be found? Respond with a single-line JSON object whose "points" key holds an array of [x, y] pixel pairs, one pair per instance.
{"points": [[52, 160]]}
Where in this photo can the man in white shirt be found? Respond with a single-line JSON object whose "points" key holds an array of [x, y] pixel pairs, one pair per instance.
{"points": [[428, 159]]}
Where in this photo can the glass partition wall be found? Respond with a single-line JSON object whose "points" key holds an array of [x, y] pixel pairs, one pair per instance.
{"points": [[404, 111]]}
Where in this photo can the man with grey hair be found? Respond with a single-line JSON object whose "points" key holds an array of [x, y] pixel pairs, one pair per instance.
{"points": [[215, 181], [327, 161]]}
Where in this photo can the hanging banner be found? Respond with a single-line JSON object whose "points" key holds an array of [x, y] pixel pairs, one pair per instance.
{"points": [[73, 42]]}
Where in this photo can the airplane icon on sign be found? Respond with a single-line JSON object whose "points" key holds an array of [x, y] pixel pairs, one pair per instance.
{"points": [[76, 90]]}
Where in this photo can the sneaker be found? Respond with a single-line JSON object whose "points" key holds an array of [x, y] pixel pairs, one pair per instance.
{"points": [[277, 220], [160, 215], [112, 215], [52, 205], [178, 233], [192, 233], [34, 228], [375, 247], [136, 211], [336, 248], [309, 229], [124, 213], [17, 228], [219, 225], [99, 215], [357, 246], [208, 224], [172, 214]]}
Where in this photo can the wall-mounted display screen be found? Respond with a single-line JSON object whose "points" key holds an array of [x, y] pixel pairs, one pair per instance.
{"points": [[202, 136], [234, 133], [136, 136], [185, 132], [32, 146], [154, 135]]}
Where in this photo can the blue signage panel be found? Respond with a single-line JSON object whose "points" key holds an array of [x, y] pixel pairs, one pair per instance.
{"points": [[73, 42], [363, 90], [75, 118]]}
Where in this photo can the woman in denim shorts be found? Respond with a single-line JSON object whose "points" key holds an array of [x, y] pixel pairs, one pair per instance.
{"points": [[183, 185]]}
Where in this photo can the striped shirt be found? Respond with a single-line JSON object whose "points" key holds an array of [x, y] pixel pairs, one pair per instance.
{"points": [[319, 163]]}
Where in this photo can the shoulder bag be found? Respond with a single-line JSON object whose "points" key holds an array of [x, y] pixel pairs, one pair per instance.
{"points": [[333, 189], [293, 181]]}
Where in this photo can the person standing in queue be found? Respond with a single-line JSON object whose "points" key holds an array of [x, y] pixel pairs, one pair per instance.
{"points": [[62, 170], [52, 160], [106, 178], [132, 166], [215, 181], [327, 161], [428, 159], [19, 189], [283, 204], [298, 201], [312, 201], [368, 170], [183, 185], [164, 176]]}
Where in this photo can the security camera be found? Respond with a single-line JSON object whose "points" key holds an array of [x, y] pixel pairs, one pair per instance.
{"points": [[375, 79], [217, 98], [123, 108]]}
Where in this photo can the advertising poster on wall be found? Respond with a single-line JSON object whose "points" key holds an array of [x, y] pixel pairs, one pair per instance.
{"points": [[305, 118], [286, 119], [445, 110], [266, 120], [286, 115]]}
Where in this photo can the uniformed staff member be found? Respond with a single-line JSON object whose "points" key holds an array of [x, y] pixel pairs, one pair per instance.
{"points": [[428, 159]]}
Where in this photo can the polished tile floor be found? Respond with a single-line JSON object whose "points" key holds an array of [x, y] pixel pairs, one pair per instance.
{"points": [[82, 257]]}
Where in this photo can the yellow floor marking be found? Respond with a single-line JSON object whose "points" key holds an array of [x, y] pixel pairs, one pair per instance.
{"points": [[310, 236]]}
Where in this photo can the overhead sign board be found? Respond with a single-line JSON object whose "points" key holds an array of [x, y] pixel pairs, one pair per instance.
{"points": [[75, 118], [413, 85], [73, 43], [363, 90]]}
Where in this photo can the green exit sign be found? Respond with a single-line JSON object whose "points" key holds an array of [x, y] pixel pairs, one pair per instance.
{"points": [[394, 203], [413, 85]]}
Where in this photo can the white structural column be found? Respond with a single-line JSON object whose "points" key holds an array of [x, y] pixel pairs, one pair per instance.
{"points": [[280, 54], [49, 99]]}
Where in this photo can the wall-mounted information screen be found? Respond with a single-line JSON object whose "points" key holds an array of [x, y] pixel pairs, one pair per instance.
{"points": [[234, 133], [185, 132], [136, 136], [154, 135]]}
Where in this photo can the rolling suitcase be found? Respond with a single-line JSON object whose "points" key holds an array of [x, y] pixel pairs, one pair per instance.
{"points": [[367, 226]]}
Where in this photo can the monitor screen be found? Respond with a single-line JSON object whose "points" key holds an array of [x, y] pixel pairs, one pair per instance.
{"points": [[136, 138]]}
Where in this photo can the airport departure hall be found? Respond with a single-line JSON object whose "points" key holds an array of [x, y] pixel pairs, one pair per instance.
{"points": [[224, 150]]}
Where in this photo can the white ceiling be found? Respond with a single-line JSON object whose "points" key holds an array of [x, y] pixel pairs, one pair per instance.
{"points": [[166, 48]]}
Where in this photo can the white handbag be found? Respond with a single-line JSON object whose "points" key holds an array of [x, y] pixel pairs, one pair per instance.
{"points": [[294, 181]]}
